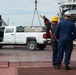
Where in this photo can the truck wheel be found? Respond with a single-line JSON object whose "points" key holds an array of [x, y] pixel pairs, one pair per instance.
{"points": [[41, 46], [1, 46], [32, 45]]}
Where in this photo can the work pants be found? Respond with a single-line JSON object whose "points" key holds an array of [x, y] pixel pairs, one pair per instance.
{"points": [[55, 51], [67, 47]]}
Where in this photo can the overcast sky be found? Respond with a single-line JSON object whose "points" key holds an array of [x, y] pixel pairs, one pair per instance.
{"points": [[20, 12]]}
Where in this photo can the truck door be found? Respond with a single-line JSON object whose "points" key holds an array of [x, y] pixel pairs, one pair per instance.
{"points": [[9, 36]]}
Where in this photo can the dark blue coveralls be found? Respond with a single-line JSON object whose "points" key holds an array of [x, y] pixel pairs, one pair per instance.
{"points": [[48, 27], [54, 46], [66, 33]]}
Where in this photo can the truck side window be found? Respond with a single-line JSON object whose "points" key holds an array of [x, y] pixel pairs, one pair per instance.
{"points": [[9, 30], [20, 29]]}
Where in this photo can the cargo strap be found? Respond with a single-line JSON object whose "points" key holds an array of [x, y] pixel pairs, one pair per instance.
{"points": [[35, 11]]}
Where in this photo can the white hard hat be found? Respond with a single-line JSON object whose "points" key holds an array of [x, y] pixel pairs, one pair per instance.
{"points": [[67, 13]]}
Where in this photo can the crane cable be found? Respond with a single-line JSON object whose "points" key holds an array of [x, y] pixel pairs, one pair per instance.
{"points": [[34, 14]]}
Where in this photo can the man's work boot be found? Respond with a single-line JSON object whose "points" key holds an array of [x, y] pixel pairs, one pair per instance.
{"points": [[54, 65], [67, 67], [57, 66]]}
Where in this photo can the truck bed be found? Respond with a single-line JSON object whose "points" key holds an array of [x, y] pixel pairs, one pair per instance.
{"points": [[35, 29]]}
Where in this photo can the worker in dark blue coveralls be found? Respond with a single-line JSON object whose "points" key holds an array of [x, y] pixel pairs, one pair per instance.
{"points": [[48, 25], [66, 33], [54, 41]]}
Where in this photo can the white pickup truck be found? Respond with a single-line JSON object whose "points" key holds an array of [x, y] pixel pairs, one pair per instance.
{"points": [[32, 37]]}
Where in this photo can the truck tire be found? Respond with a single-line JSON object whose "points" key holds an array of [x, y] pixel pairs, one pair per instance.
{"points": [[41, 46], [31, 45]]}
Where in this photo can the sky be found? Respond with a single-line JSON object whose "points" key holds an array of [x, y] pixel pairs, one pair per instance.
{"points": [[20, 12]]}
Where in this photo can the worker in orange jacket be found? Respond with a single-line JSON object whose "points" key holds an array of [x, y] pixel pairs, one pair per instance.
{"points": [[54, 40], [48, 25]]}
